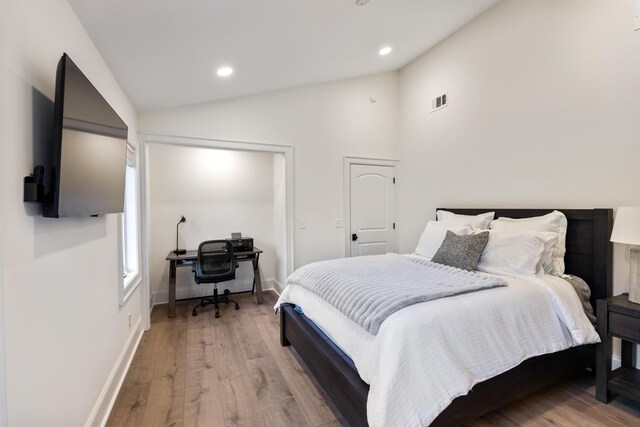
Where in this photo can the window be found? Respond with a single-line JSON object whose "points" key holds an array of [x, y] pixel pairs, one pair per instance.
{"points": [[129, 227]]}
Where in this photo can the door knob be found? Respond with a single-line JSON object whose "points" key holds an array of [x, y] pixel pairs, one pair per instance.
{"points": [[354, 237]]}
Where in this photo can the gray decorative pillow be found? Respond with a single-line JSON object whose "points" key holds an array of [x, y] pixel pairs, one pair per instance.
{"points": [[462, 252], [584, 293]]}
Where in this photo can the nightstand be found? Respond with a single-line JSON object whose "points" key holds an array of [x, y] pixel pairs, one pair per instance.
{"points": [[617, 317]]}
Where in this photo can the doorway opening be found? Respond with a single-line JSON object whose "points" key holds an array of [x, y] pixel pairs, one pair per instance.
{"points": [[221, 187]]}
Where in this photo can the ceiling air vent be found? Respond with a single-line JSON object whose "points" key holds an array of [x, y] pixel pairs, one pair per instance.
{"points": [[439, 102]]}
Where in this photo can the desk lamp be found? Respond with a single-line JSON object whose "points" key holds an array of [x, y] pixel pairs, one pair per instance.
{"points": [[179, 251], [626, 229]]}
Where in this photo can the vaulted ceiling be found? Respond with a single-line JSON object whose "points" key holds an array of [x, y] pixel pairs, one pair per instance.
{"points": [[165, 53]]}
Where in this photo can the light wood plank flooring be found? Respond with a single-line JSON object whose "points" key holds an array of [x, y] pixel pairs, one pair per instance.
{"points": [[232, 371]]}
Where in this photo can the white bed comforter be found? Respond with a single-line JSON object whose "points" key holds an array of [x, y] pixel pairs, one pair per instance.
{"points": [[426, 355]]}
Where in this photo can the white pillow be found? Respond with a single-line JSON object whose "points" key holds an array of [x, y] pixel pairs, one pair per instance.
{"points": [[434, 234], [554, 222], [514, 252], [477, 222]]}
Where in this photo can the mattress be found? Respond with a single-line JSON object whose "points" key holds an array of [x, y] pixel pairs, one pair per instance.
{"points": [[427, 354]]}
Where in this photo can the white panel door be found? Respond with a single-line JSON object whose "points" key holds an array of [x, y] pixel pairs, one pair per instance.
{"points": [[373, 210]]}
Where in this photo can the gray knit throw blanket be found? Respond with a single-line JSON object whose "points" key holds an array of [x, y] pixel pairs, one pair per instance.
{"points": [[368, 289]]}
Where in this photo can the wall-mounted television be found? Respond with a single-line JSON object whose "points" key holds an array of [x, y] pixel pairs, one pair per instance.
{"points": [[89, 149]]}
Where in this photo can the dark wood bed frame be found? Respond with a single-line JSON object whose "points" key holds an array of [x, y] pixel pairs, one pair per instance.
{"points": [[588, 256]]}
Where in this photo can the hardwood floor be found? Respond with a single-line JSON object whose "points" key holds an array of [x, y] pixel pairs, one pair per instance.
{"points": [[232, 371], [570, 403]]}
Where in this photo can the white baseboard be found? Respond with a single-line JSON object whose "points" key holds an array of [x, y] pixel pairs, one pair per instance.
{"points": [[107, 398], [616, 362], [203, 290], [277, 287]]}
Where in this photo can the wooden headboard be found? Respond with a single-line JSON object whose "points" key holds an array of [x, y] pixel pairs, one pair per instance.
{"points": [[589, 253]]}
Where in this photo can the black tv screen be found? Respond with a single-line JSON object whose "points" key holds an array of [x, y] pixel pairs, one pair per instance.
{"points": [[89, 149]]}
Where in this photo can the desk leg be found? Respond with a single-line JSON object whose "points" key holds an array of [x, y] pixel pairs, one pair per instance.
{"points": [[256, 277], [172, 289]]}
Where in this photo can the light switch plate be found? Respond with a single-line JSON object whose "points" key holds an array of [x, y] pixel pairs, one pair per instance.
{"points": [[302, 224], [339, 223]]}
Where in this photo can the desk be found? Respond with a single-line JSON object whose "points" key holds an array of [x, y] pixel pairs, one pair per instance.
{"points": [[190, 258]]}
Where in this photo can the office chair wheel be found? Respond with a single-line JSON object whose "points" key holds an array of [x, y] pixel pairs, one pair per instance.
{"points": [[217, 315], [237, 307], [194, 312]]}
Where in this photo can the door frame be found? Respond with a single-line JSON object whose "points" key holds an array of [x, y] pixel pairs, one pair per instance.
{"points": [[147, 139], [347, 161]]}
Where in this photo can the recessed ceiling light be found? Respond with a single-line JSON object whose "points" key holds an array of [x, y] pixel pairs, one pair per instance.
{"points": [[225, 71], [385, 51]]}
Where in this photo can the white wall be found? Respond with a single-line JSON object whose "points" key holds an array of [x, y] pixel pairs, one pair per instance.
{"points": [[3, 396], [544, 112], [279, 222], [64, 330], [323, 123], [219, 192]]}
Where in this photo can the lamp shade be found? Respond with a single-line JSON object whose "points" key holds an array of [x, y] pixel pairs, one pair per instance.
{"points": [[626, 228]]}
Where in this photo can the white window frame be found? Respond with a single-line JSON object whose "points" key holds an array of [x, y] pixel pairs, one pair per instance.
{"points": [[129, 237]]}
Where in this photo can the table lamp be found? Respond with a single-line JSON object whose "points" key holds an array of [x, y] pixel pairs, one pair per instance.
{"points": [[626, 229], [179, 251]]}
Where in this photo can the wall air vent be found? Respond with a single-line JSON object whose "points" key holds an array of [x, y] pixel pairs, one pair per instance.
{"points": [[439, 102]]}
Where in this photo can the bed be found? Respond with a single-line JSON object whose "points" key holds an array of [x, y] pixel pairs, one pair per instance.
{"points": [[588, 256]]}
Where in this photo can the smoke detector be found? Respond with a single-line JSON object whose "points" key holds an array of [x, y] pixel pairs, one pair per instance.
{"points": [[361, 2]]}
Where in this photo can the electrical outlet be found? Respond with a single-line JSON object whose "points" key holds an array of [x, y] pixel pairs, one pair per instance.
{"points": [[302, 224], [129, 320], [339, 223]]}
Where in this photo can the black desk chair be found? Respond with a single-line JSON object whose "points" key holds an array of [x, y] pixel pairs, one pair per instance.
{"points": [[215, 264]]}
